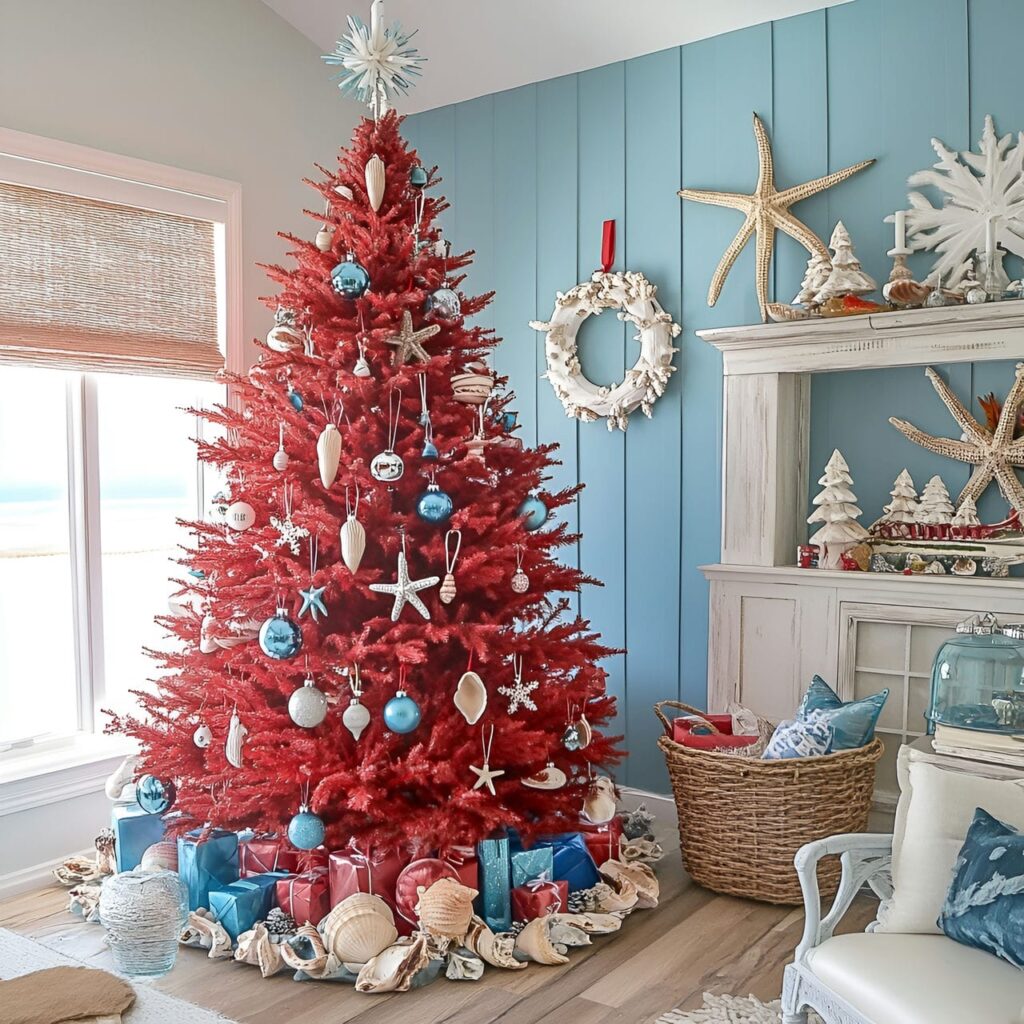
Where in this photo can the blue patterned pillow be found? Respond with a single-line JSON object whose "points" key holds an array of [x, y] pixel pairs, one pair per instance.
{"points": [[853, 723], [984, 907], [809, 736]]}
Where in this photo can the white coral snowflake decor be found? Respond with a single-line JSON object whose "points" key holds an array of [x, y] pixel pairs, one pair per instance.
{"points": [[633, 296], [975, 188], [519, 694], [376, 62]]}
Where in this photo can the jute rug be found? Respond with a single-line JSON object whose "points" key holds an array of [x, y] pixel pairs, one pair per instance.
{"points": [[20, 956], [730, 1010]]}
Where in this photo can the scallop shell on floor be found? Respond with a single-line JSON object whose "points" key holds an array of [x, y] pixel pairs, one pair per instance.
{"points": [[493, 949], [358, 928], [393, 968], [534, 941], [445, 909], [640, 876], [471, 697]]}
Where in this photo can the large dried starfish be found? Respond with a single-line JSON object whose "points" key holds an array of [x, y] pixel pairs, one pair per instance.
{"points": [[993, 453], [767, 210]]}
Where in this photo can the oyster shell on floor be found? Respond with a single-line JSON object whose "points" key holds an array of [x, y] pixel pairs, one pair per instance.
{"points": [[394, 968]]}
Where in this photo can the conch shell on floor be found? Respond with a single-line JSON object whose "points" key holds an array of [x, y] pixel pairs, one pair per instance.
{"points": [[620, 898], [640, 876], [445, 909], [305, 951], [534, 941], [204, 932], [358, 928], [493, 949], [393, 969], [256, 948]]}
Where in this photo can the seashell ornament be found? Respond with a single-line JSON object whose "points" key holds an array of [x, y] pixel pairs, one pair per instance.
{"points": [[328, 454], [325, 238], [207, 642], [375, 181], [121, 777], [599, 805], [448, 591], [549, 777], [394, 969], [160, 857], [445, 909], [280, 460], [907, 292], [471, 697], [235, 741], [353, 536], [284, 336]]}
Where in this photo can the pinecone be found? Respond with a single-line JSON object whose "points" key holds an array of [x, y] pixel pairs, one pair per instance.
{"points": [[516, 927], [280, 923], [582, 901]]}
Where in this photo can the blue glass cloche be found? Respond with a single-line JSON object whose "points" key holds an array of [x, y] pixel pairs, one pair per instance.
{"points": [[978, 678]]}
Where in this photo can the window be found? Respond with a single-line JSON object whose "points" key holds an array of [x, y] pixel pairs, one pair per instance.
{"points": [[97, 459]]}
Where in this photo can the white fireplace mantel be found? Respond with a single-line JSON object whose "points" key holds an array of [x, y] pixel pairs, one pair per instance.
{"points": [[772, 625]]}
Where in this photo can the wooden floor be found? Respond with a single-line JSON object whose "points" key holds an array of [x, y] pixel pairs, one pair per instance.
{"points": [[695, 941]]}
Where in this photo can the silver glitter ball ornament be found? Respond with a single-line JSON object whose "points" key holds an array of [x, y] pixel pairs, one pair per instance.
{"points": [[307, 706]]}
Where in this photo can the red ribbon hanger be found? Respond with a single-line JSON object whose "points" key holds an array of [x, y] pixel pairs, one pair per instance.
{"points": [[607, 246]]}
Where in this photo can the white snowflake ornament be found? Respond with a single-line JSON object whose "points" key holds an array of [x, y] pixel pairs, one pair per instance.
{"points": [[290, 533], [976, 188]]}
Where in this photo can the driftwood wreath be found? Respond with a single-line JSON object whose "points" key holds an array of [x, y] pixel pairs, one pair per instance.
{"points": [[634, 297]]}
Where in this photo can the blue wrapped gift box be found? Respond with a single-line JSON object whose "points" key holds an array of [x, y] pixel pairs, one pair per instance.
{"points": [[241, 904], [495, 873], [134, 831], [572, 860], [528, 865], [206, 864]]}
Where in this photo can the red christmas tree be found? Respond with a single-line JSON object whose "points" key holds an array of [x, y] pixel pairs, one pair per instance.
{"points": [[352, 373]]}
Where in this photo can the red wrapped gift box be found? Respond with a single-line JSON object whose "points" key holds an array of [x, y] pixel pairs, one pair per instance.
{"points": [[265, 855], [375, 872], [602, 840], [539, 898], [306, 897], [463, 859], [692, 732]]}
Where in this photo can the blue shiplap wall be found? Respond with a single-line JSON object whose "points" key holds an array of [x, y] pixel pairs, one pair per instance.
{"points": [[532, 173]]}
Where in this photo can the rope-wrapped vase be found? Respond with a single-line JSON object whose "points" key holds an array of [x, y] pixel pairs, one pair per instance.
{"points": [[143, 913]]}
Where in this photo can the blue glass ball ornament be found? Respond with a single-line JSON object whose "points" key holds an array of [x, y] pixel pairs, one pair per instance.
{"points": [[350, 278], [418, 176], [443, 304], [280, 637], [296, 399], [535, 511], [306, 830], [508, 421], [401, 713], [434, 506], [154, 795]]}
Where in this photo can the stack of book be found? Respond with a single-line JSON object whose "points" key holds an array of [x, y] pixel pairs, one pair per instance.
{"points": [[999, 747]]}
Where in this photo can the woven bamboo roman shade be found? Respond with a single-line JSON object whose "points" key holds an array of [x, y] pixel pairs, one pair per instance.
{"points": [[93, 286]]}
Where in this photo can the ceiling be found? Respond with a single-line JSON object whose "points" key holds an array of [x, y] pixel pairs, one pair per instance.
{"points": [[475, 47]]}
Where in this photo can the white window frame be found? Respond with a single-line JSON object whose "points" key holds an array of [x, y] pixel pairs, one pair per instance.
{"points": [[47, 772]]}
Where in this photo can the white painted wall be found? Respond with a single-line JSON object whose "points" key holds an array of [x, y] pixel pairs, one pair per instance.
{"points": [[223, 87]]}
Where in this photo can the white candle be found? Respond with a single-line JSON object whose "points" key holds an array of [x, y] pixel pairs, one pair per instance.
{"points": [[990, 237], [375, 17], [901, 229]]}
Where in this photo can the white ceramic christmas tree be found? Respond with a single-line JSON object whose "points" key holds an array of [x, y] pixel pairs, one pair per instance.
{"points": [[815, 276], [966, 514], [935, 508], [837, 510], [901, 512], [846, 277]]}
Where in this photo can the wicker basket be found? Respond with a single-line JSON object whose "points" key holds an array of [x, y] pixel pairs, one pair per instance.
{"points": [[742, 819]]}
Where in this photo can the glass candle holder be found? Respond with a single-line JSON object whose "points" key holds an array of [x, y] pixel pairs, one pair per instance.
{"points": [[143, 913]]}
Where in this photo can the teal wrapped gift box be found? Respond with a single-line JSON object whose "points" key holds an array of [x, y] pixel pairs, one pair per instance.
{"points": [[134, 832], [241, 904], [206, 864]]}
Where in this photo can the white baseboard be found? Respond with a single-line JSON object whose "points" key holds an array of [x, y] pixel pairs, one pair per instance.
{"points": [[646, 794], [36, 876]]}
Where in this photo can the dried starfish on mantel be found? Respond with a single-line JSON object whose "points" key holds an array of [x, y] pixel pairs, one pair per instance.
{"points": [[993, 453], [766, 210]]}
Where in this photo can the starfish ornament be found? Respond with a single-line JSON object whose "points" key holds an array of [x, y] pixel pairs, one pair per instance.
{"points": [[407, 342], [406, 590], [765, 211], [486, 776], [993, 453], [313, 602]]}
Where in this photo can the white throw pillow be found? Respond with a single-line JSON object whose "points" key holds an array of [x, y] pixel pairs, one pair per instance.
{"points": [[937, 805]]}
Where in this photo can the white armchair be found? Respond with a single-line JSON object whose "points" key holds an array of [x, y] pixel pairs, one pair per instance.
{"points": [[884, 978]]}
